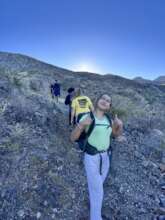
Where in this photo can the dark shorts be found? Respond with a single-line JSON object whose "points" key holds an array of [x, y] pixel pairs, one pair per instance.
{"points": [[57, 93]]}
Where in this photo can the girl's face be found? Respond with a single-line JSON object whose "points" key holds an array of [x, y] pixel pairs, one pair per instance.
{"points": [[104, 103]]}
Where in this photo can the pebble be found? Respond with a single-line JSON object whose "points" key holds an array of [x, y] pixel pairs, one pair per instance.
{"points": [[163, 187], [161, 217], [38, 215], [21, 213], [45, 203], [162, 201]]}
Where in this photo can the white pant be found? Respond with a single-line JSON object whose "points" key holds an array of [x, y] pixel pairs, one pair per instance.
{"points": [[95, 181]]}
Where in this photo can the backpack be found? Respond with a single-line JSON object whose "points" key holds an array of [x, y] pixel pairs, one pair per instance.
{"points": [[51, 88], [67, 100], [83, 139]]}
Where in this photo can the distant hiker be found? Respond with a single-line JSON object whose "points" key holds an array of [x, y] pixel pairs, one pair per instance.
{"points": [[80, 104], [68, 101], [97, 149], [55, 90]]}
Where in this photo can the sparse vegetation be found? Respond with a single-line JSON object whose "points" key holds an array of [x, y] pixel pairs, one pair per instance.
{"points": [[122, 113], [17, 82]]}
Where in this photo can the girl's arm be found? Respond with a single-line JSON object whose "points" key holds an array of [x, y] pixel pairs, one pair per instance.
{"points": [[80, 128], [77, 132]]}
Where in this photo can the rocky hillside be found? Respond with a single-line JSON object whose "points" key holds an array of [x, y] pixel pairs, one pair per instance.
{"points": [[41, 171], [159, 81], [142, 80]]}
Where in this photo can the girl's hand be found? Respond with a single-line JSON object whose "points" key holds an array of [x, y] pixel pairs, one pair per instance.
{"points": [[117, 122], [117, 126]]}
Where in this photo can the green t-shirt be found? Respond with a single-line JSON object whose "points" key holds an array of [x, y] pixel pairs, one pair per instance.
{"points": [[100, 136]]}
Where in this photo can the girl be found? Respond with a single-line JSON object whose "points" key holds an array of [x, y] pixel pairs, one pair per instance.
{"points": [[96, 158]]}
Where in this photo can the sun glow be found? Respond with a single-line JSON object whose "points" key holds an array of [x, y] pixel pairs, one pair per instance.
{"points": [[85, 67]]}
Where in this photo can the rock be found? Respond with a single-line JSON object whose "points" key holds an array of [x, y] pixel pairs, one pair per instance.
{"points": [[160, 211], [21, 213], [121, 138], [45, 203], [145, 163], [162, 167], [55, 210], [53, 216], [157, 132], [161, 217], [162, 201], [38, 215]]}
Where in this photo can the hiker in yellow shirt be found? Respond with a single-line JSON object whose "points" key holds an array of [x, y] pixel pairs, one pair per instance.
{"points": [[80, 105]]}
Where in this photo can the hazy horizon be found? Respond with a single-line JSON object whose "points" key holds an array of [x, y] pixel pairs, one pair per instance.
{"points": [[47, 62]]}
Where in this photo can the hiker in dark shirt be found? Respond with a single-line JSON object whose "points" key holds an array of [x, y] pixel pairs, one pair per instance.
{"points": [[68, 101], [55, 90]]}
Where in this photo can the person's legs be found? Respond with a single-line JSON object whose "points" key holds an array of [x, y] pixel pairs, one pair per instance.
{"points": [[105, 165], [57, 98], [69, 115], [74, 120], [95, 185], [56, 94]]}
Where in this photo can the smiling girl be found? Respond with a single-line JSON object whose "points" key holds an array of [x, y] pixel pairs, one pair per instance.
{"points": [[97, 151]]}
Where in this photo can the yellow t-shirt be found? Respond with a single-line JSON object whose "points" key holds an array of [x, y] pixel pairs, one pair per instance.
{"points": [[81, 104]]}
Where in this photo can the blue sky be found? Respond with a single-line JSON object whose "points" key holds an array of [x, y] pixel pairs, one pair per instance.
{"points": [[123, 37]]}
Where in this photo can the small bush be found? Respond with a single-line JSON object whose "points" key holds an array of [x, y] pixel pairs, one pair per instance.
{"points": [[122, 113], [17, 82]]}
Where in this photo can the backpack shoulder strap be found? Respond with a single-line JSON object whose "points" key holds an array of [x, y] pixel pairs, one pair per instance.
{"points": [[109, 119], [91, 127], [111, 136]]}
